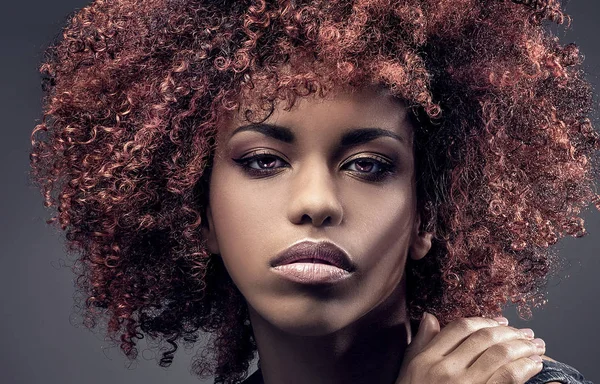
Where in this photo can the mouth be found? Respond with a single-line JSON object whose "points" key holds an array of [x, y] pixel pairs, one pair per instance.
{"points": [[315, 261], [323, 252]]}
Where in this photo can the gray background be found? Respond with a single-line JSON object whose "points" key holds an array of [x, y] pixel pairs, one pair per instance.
{"points": [[41, 339]]}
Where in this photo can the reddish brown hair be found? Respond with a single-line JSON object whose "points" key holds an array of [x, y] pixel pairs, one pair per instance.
{"points": [[505, 151]]}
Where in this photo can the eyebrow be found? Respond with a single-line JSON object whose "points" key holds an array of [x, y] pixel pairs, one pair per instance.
{"points": [[350, 138]]}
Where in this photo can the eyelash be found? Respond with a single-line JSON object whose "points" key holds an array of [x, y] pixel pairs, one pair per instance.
{"points": [[386, 168]]}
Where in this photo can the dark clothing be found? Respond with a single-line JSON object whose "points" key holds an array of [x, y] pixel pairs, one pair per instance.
{"points": [[552, 371], [557, 371], [255, 378]]}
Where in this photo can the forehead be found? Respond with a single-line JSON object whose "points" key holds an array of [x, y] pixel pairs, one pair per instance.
{"points": [[340, 109]]}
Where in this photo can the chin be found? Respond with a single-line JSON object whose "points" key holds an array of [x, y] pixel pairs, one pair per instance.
{"points": [[299, 324]]}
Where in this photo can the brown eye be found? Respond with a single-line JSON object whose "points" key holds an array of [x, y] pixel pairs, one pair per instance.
{"points": [[266, 161], [364, 165], [266, 165]]}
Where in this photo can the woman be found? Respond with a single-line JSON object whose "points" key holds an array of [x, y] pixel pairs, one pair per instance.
{"points": [[211, 158]]}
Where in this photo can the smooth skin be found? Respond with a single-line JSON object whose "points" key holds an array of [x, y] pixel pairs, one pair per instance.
{"points": [[306, 185]]}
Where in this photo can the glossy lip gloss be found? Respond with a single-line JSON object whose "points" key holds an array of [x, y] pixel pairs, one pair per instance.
{"points": [[312, 273]]}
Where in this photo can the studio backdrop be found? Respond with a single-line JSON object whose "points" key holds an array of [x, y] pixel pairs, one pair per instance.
{"points": [[43, 340]]}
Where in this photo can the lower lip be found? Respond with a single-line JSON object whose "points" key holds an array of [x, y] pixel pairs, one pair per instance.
{"points": [[312, 273]]}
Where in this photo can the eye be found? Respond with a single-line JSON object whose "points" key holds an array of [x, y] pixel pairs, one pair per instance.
{"points": [[364, 166], [264, 160]]}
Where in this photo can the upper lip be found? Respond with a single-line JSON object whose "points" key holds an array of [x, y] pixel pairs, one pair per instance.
{"points": [[323, 250]]}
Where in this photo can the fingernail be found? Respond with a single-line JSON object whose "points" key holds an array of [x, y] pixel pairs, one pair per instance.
{"points": [[528, 332], [539, 342], [536, 358], [501, 320]]}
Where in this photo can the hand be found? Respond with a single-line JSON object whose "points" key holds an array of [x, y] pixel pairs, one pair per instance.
{"points": [[474, 350]]}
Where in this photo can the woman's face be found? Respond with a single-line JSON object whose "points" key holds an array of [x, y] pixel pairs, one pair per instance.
{"points": [[308, 186]]}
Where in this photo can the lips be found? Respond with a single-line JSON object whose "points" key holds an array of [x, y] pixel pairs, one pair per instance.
{"points": [[320, 252]]}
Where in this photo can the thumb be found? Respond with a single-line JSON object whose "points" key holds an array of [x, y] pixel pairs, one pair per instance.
{"points": [[428, 328]]}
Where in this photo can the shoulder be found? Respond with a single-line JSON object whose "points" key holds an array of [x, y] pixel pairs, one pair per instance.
{"points": [[556, 372], [544, 357]]}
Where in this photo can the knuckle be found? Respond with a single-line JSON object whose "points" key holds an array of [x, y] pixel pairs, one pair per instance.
{"points": [[501, 350], [465, 324], [489, 333], [516, 332]]}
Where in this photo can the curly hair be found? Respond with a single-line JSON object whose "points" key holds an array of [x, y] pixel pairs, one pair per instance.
{"points": [[134, 91]]}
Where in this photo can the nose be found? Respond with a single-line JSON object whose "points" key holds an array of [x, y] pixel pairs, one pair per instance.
{"points": [[314, 196]]}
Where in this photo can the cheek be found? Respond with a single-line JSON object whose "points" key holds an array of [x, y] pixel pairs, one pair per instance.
{"points": [[389, 239], [242, 223], [383, 232], [243, 209], [386, 216], [385, 244]]}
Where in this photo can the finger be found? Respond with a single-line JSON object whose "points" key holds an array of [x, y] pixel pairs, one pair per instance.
{"points": [[502, 354], [467, 352], [518, 371], [455, 333], [428, 328]]}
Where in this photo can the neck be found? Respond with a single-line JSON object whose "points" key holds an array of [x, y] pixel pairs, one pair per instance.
{"points": [[370, 350]]}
